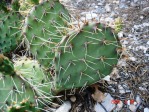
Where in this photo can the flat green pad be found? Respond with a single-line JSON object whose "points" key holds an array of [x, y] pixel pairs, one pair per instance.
{"points": [[33, 74], [12, 88], [85, 58], [10, 26], [43, 28]]}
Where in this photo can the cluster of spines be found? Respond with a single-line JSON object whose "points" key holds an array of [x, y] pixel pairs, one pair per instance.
{"points": [[26, 6], [24, 106]]}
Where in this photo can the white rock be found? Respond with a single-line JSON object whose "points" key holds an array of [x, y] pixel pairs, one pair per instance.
{"points": [[122, 62], [132, 58], [143, 48], [145, 24], [125, 42], [145, 10], [142, 89], [98, 108], [91, 15], [130, 36], [121, 89], [107, 78], [147, 43], [73, 98], [108, 8], [107, 102], [138, 100], [65, 107], [129, 47], [128, 102], [141, 17], [133, 107], [146, 109], [120, 34], [96, 6], [100, 4]]}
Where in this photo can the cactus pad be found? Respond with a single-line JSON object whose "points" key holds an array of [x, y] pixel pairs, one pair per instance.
{"points": [[13, 89], [87, 57], [44, 28], [9, 32], [28, 82], [33, 74]]}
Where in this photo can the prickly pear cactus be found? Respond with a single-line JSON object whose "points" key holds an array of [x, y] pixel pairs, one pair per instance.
{"points": [[80, 58], [28, 82], [10, 31], [12, 88], [43, 29], [6, 66], [85, 58], [33, 73]]}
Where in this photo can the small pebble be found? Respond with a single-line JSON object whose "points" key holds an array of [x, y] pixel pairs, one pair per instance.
{"points": [[108, 8], [146, 109], [90, 16], [65, 107], [132, 58], [73, 98], [120, 34]]}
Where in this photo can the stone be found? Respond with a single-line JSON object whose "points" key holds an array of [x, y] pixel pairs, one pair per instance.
{"points": [[91, 16], [106, 103], [146, 109], [65, 107], [108, 8]]}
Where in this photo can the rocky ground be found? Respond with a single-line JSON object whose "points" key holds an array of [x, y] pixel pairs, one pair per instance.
{"points": [[128, 84]]}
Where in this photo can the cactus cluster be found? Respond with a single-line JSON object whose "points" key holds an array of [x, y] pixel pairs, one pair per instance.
{"points": [[59, 57]]}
